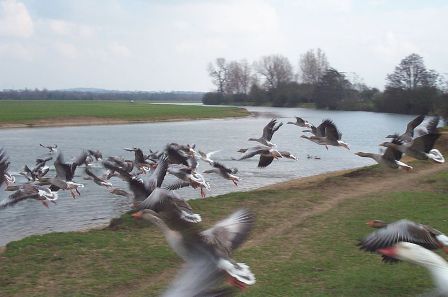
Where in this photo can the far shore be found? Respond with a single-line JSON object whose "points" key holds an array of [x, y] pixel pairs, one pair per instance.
{"points": [[44, 113], [93, 121]]}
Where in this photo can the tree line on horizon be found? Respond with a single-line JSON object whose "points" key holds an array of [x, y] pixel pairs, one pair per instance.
{"points": [[271, 81]]}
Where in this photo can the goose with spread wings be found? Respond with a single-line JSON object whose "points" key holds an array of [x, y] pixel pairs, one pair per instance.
{"points": [[211, 248], [422, 147], [388, 235], [267, 155], [408, 135], [268, 132], [30, 191], [187, 177], [225, 172], [327, 134]]}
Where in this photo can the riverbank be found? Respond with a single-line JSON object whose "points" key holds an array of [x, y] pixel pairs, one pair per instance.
{"points": [[44, 113], [303, 244]]}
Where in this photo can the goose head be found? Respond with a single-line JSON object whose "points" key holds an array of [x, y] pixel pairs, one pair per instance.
{"points": [[361, 154], [376, 224]]}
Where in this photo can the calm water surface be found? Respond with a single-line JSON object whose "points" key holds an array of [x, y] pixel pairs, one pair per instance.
{"points": [[362, 130]]}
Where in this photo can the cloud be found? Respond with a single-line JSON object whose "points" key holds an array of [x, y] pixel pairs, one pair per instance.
{"points": [[14, 19], [119, 50], [15, 51], [65, 28], [394, 47], [66, 50]]}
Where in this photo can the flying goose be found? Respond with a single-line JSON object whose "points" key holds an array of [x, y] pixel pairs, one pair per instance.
{"points": [[141, 189], [51, 148], [96, 154], [403, 230], [225, 172], [206, 156], [267, 155], [30, 191], [170, 205], [419, 255], [139, 159], [268, 132], [187, 177], [408, 135], [288, 155], [390, 158], [213, 246], [98, 180], [421, 148], [301, 123], [331, 135]]}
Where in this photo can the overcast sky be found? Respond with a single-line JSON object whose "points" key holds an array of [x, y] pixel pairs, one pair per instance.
{"points": [[166, 45]]}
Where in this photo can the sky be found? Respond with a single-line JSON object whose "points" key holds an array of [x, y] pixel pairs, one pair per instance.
{"points": [[166, 45]]}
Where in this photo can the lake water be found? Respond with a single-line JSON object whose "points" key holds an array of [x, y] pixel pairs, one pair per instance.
{"points": [[362, 130]]}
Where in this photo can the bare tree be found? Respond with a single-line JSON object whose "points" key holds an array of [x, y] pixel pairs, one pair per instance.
{"points": [[411, 73], [274, 70], [312, 66], [218, 73], [238, 77]]}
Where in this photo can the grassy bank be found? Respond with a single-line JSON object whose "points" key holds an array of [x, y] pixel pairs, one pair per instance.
{"points": [[304, 242], [44, 113]]}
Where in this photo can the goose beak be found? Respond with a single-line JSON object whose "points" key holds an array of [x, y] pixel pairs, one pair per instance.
{"points": [[137, 215], [390, 251]]}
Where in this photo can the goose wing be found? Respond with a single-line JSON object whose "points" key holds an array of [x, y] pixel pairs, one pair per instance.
{"points": [[412, 125], [63, 170], [270, 129], [393, 233], [320, 130], [231, 232], [25, 192], [331, 132], [265, 161], [4, 164], [176, 156], [222, 168], [391, 153], [425, 143], [253, 151], [159, 173]]}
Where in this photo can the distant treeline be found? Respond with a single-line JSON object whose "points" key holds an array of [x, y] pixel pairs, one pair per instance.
{"points": [[271, 81], [44, 94]]}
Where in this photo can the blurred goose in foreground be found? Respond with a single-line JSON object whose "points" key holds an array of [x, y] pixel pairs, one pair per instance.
{"points": [[421, 148], [418, 255], [408, 135], [51, 148], [301, 123], [268, 132], [5, 177], [331, 135], [390, 158], [388, 235], [30, 191], [225, 172], [211, 249]]}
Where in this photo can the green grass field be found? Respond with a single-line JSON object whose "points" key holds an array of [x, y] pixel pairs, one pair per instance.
{"points": [[316, 256], [33, 112]]}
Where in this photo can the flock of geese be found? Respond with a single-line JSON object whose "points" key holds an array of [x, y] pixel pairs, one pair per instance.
{"points": [[207, 254]]}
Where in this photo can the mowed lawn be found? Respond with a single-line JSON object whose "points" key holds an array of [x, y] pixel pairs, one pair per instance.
{"points": [[316, 256], [27, 112]]}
